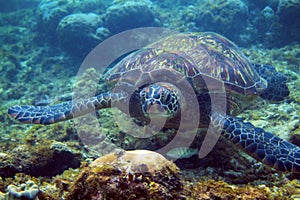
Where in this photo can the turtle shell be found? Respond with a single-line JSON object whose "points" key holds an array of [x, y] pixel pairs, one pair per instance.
{"points": [[209, 62], [206, 54]]}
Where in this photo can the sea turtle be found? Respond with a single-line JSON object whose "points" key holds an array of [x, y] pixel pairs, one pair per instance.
{"points": [[152, 82]]}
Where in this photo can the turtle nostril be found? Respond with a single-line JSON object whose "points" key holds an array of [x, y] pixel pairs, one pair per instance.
{"points": [[151, 101]]}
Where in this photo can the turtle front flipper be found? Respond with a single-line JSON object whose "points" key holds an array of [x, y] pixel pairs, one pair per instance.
{"points": [[277, 88], [263, 146], [64, 111]]}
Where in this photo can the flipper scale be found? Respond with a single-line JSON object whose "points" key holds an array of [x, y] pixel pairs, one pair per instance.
{"points": [[262, 145], [64, 111]]}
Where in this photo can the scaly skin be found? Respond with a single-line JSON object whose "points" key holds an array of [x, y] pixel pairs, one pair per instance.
{"points": [[64, 111], [263, 146]]}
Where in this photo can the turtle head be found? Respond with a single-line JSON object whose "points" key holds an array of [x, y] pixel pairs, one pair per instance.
{"points": [[159, 99]]}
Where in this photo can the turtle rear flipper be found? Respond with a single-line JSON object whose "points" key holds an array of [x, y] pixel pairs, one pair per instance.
{"points": [[63, 111], [277, 89], [263, 146]]}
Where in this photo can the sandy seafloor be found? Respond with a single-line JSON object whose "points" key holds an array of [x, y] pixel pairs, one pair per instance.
{"points": [[31, 69]]}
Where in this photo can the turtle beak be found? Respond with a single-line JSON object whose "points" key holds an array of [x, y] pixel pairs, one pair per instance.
{"points": [[261, 86], [154, 108]]}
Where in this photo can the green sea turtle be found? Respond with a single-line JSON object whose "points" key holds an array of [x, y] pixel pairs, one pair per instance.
{"points": [[152, 82]]}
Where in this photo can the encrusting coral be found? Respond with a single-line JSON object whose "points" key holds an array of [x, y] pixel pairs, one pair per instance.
{"points": [[28, 191], [128, 175]]}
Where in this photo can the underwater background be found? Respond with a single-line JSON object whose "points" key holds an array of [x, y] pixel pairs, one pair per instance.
{"points": [[43, 43]]}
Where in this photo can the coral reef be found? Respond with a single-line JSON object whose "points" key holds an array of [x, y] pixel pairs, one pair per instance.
{"points": [[273, 23], [289, 12], [129, 14], [266, 22], [138, 174], [38, 156], [193, 186], [49, 13], [227, 17], [79, 33], [266, 26], [210, 189]]}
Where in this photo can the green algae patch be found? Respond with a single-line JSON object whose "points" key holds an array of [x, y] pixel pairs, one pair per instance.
{"points": [[211, 189]]}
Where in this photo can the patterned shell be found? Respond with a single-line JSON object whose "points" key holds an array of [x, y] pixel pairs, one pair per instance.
{"points": [[189, 56]]}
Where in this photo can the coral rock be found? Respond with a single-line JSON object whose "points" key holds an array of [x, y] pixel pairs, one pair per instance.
{"points": [[289, 12], [227, 17], [121, 17], [26, 191], [138, 174], [49, 12], [78, 34]]}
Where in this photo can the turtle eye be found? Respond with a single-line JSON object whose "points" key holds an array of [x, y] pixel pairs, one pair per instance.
{"points": [[156, 95], [166, 97], [142, 94]]}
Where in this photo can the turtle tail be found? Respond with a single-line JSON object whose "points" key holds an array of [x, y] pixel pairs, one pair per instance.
{"points": [[64, 111], [263, 146]]}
